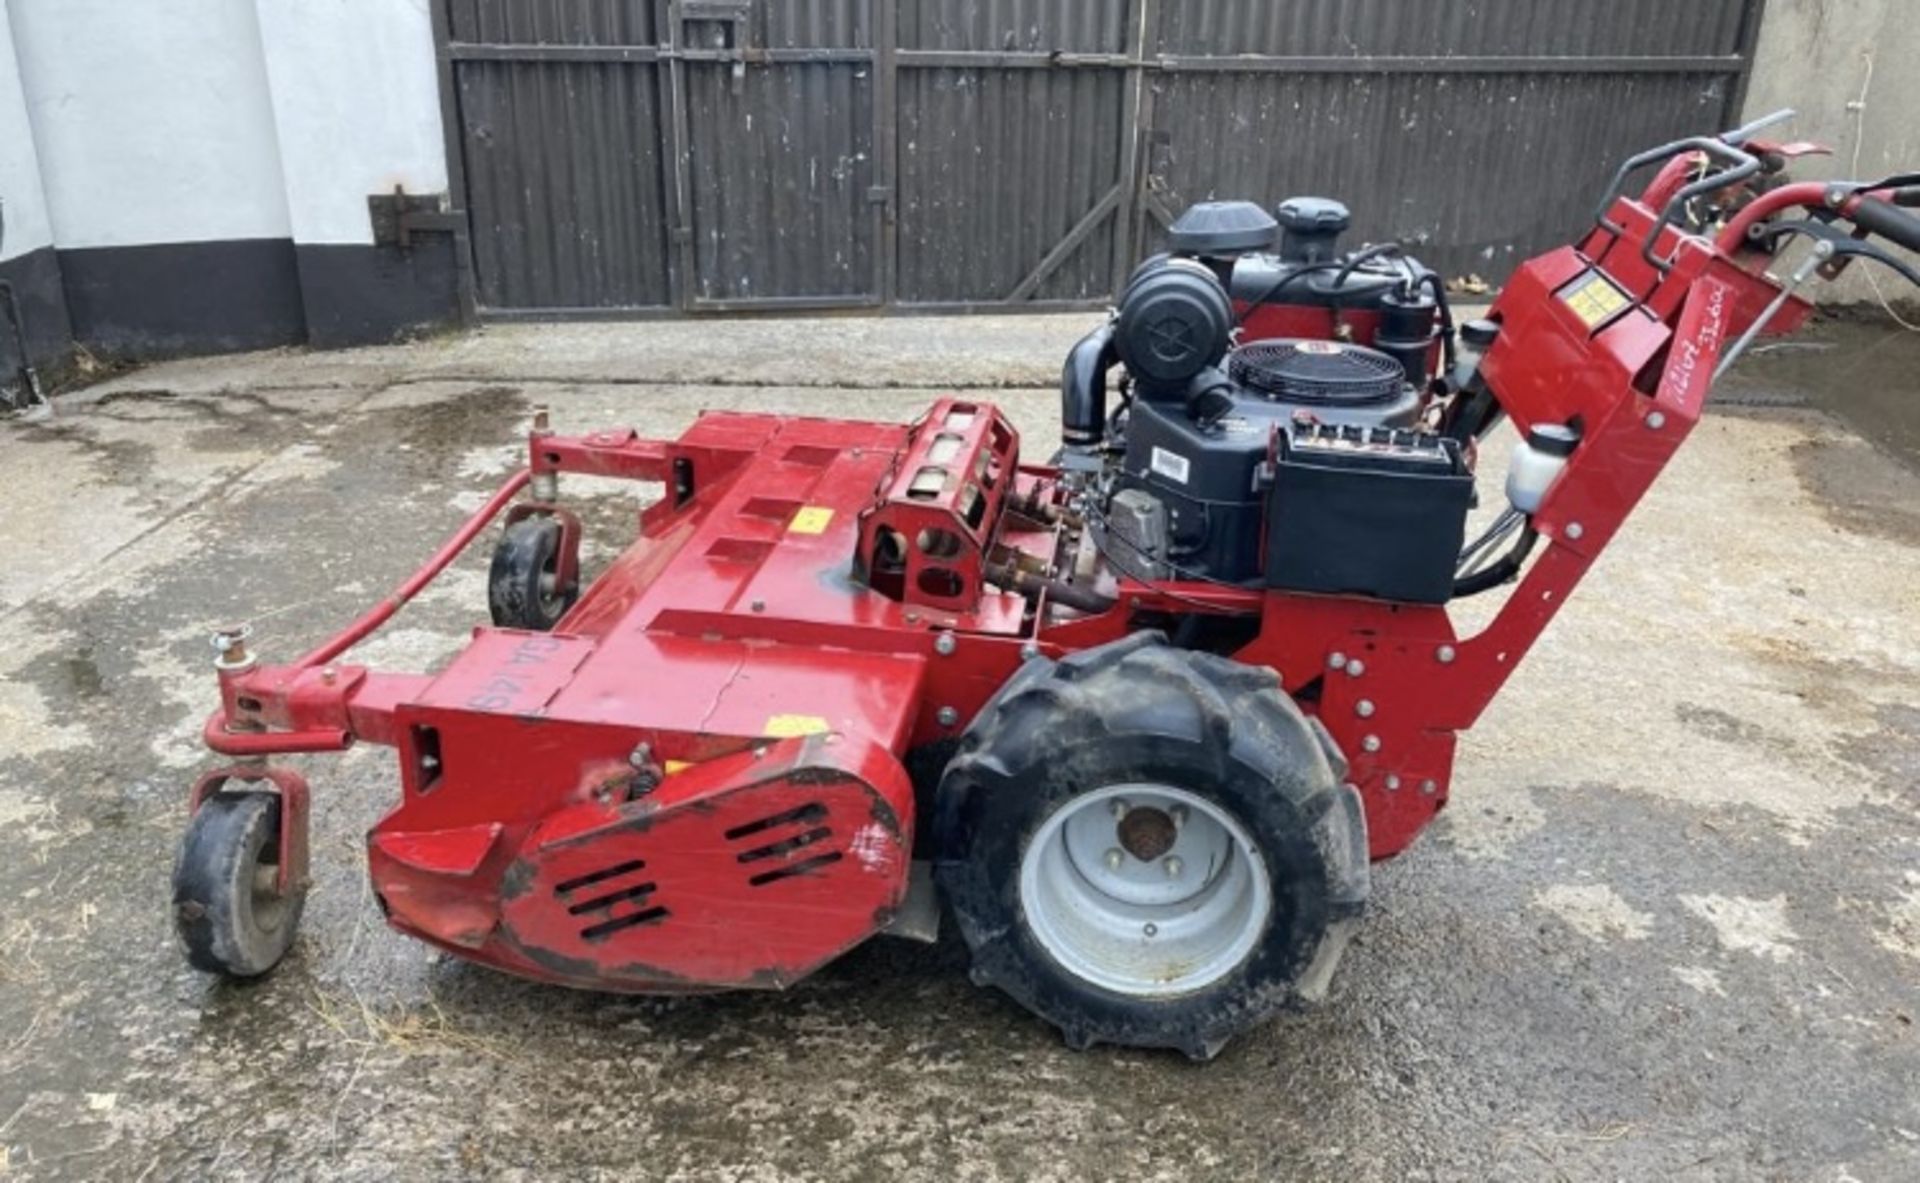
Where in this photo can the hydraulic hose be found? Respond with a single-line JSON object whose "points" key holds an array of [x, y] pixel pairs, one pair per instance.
{"points": [[1501, 571]]}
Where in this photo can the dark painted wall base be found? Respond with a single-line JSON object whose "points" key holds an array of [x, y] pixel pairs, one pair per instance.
{"points": [[370, 295], [37, 286], [141, 302], [146, 302]]}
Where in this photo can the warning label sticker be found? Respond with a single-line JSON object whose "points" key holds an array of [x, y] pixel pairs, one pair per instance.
{"points": [[1171, 465], [787, 726], [811, 519], [1594, 298]]}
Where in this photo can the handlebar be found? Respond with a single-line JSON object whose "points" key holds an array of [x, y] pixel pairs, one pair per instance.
{"points": [[1741, 164], [1740, 135], [1888, 220]]}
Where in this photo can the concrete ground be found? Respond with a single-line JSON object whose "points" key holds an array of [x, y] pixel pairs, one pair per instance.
{"points": [[1670, 927]]}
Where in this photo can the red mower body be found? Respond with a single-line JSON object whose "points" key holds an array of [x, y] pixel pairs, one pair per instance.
{"points": [[699, 779]]}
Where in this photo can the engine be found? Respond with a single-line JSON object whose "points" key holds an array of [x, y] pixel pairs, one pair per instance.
{"points": [[1281, 419]]}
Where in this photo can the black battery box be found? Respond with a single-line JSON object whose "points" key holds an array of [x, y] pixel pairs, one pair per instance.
{"points": [[1366, 511]]}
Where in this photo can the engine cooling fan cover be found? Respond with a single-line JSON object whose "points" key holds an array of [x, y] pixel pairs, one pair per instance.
{"points": [[1313, 373]]}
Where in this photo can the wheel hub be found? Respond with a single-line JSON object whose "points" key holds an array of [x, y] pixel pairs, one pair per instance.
{"points": [[1145, 889], [1146, 833]]}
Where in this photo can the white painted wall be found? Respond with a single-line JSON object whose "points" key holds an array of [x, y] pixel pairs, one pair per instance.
{"points": [[28, 228], [153, 120], [1820, 57], [356, 101]]}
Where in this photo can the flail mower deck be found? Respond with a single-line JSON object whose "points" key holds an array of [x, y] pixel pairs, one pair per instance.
{"points": [[1142, 715]]}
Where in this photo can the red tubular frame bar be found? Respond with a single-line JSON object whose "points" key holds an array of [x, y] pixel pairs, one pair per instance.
{"points": [[279, 682], [382, 612]]}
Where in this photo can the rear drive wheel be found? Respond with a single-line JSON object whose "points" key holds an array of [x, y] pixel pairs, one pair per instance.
{"points": [[227, 904], [1150, 847], [523, 586]]}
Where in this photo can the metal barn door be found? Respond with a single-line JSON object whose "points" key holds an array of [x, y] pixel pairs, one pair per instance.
{"points": [[776, 136], [1482, 133], [620, 157]]}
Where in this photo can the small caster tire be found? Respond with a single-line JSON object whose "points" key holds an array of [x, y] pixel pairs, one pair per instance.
{"points": [[523, 587], [227, 905]]}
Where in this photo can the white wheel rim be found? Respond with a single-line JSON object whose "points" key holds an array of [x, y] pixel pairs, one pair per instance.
{"points": [[1160, 919]]}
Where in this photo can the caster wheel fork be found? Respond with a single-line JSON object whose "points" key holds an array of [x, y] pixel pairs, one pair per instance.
{"points": [[240, 883]]}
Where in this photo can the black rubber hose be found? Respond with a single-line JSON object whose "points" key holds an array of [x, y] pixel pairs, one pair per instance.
{"points": [[1431, 278], [1083, 388], [1275, 288], [1500, 572], [1358, 257]]}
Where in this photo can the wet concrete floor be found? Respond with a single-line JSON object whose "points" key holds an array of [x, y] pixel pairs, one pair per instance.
{"points": [[1669, 927]]}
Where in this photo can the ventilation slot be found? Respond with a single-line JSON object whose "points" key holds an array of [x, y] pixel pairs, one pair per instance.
{"points": [[792, 869], [607, 928], [785, 845], [609, 898], [608, 901], [614, 872], [813, 811]]}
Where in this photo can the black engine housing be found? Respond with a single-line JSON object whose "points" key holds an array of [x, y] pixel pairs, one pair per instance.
{"points": [[1198, 448], [1192, 448]]}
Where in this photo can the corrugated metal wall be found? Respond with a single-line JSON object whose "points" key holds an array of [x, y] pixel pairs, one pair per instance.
{"points": [[634, 155]]}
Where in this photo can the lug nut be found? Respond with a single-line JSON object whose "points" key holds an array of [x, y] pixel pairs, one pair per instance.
{"points": [[948, 716], [1364, 708], [1356, 667], [1174, 866], [1115, 858], [1118, 808], [1179, 815], [1445, 654], [1337, 661], [1371, 743]]}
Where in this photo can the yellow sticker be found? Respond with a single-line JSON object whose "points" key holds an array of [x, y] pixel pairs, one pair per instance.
{"points": [[812, 519], [786, 726], [673, 766], [1594, 299]]}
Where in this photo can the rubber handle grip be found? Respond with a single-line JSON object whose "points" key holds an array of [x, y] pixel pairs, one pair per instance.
{"points": [[1888, 221], [1907, 195]]}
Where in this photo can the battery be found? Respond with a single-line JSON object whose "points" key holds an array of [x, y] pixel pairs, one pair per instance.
{"points": [[1366, 511]]}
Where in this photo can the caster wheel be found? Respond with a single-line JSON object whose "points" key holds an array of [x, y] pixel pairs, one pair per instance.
{"points": [[227, 905], [523, 586], [1150, 847]]}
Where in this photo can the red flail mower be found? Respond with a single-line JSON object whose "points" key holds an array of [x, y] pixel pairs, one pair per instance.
{"points": [[1141, 716]]}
